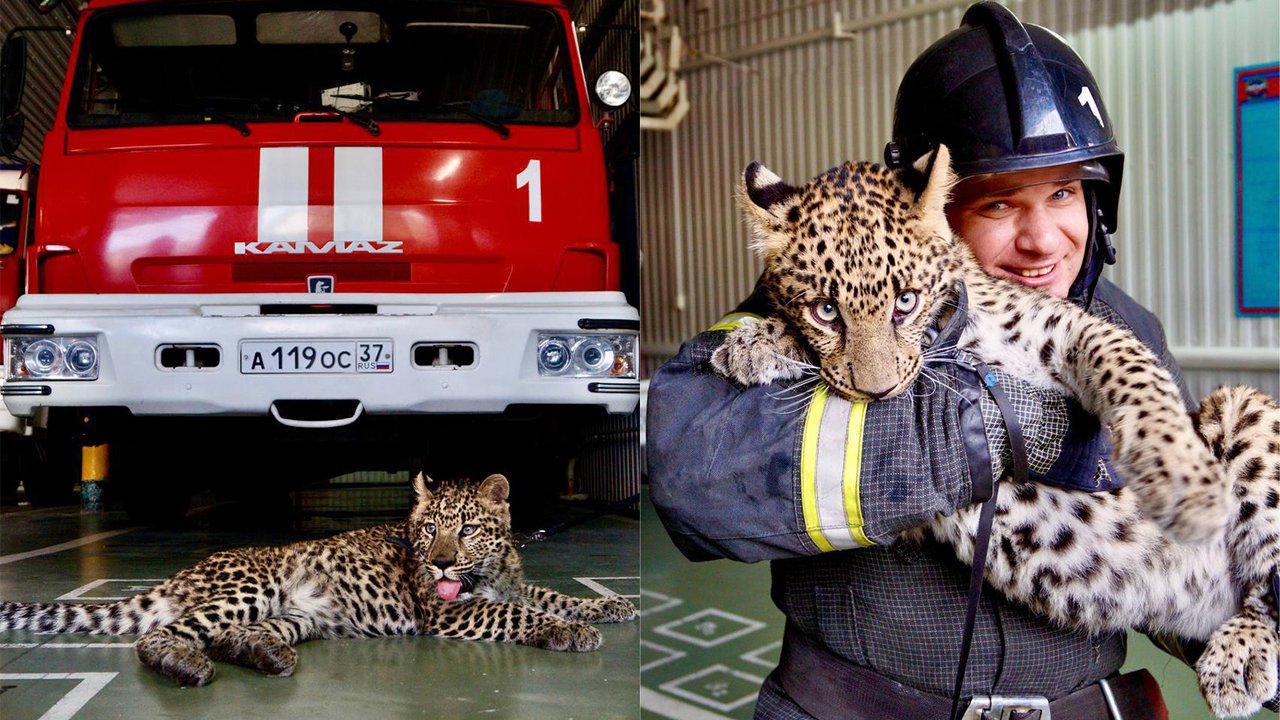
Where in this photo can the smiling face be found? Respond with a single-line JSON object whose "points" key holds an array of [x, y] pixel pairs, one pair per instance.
{"points": [[1031, 226]]}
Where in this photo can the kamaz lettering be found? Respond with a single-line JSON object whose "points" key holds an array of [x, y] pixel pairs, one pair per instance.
{"points": [[303, 247]]}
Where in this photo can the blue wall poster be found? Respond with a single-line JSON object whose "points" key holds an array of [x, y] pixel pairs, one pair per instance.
{"points": [[1257, 98]]}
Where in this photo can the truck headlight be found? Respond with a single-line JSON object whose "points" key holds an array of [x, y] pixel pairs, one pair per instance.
{"points": [[586, 356], [51, 358]]}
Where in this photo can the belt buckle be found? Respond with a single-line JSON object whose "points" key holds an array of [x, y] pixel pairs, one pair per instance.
{"points": [[1007, 707]]}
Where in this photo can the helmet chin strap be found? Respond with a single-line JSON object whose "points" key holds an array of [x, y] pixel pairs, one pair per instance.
{"points": [[1098, 252]]}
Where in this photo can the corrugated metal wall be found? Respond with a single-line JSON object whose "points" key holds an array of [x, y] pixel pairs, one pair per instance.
{"points": [[47, 55], [770, 84]]}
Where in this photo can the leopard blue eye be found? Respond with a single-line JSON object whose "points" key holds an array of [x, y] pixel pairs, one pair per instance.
{"points": [[905, 305], [431, 528], [467, 530], [824, 312]]}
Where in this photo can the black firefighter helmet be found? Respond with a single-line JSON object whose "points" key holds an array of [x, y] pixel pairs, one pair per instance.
{"points": [[1004, 96]]}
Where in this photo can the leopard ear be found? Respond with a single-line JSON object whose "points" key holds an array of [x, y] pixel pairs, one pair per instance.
{"points": [[494, 491], [770, 206], [940, 179], [420, 487]]}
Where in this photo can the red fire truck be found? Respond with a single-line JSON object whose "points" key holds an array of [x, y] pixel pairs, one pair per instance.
{"points": [[296, 238]]}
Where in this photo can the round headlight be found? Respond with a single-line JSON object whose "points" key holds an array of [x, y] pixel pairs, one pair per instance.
{"points": [[594, 355], [42, 357], [613, 88], [553, 355], [82, 358]]}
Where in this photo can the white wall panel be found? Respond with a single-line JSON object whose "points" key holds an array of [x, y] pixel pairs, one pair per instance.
{"points": [[765, 87]]}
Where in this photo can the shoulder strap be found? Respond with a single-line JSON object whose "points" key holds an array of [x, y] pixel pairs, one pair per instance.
{"points": [[988, 490]]}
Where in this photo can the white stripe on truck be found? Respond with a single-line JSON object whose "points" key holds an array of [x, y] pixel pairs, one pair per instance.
{"points": [[357, 194], [282, 194]]}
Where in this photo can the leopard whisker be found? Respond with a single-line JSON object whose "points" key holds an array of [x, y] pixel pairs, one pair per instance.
{"points": [[796, 297], [797, 403], [939, 380], [795, 363], [797, 390], [795, 407]]}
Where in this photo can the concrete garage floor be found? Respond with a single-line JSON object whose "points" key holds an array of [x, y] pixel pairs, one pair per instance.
{"points": [[711, 635], [49, 554]]}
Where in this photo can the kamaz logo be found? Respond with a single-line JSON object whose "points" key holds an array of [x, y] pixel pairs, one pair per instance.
{"points": [[304, 247]]}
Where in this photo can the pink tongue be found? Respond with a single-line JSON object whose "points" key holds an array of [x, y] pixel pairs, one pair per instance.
{"points": [[448, 589]]}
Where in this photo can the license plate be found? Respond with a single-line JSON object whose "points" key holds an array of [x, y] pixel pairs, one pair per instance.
{"points": [[267, 357]]}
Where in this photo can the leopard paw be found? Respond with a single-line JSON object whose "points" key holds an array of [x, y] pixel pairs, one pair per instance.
{"points": [[760, 353], [255, 648], [1238, 670], [567, 636], [612, 609], [175, 658]]}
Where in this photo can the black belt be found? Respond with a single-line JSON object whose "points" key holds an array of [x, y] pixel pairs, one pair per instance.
{"points": [[829, 687]]}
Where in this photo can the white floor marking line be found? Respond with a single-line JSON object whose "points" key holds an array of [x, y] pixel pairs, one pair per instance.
{"points": [[91, 683], [79, 593], [88, 540], [673, 687], [83, 646], [754, 655], [666, 602], [600, 588], [75, 646], [709, 627], [671, 655], [669, 707]]}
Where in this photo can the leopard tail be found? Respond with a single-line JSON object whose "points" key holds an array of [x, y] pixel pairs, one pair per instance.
{"points": [[137, 614]]}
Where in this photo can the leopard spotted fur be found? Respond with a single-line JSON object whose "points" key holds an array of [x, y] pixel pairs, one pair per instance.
{"points": [[860, 263], [450, 570]]}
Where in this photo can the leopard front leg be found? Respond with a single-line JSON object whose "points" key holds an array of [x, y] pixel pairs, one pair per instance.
{"points": [[479, 619], [761, 352], [177, 650], [265, 646], [1115, 377], [611, 609]]}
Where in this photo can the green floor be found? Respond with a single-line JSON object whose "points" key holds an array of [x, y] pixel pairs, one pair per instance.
{"points": [[56, 677], [711, 634]]}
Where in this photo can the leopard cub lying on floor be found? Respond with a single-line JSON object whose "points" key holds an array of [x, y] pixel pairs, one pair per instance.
{"points": [[451, 570]]}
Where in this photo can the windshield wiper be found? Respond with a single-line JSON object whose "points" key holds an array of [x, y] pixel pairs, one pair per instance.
{"points": [[462, 106], [213, 115], [291, 106], [364, 122], [206, 113]]}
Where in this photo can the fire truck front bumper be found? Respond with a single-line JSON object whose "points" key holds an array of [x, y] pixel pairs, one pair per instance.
{"points": [[287, 354]]}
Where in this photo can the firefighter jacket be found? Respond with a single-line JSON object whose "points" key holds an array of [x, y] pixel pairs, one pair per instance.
{"points": [[822, 487]]}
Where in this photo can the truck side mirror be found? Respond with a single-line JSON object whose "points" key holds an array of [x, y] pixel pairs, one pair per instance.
{"points": [[13, 70]]}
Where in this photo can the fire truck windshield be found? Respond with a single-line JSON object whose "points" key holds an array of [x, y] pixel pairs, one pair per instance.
{"points": [[390, 61]]}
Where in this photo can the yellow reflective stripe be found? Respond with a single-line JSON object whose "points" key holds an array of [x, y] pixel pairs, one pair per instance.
{"points": [[809, 467], [853, 473], [732, 321]]}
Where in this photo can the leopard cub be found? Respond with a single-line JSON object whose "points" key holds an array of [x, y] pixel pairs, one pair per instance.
{"points": [[860, 263], [450, 570]]}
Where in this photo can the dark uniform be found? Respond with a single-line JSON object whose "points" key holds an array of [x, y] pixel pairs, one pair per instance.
{"points": [[822, 487]]}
